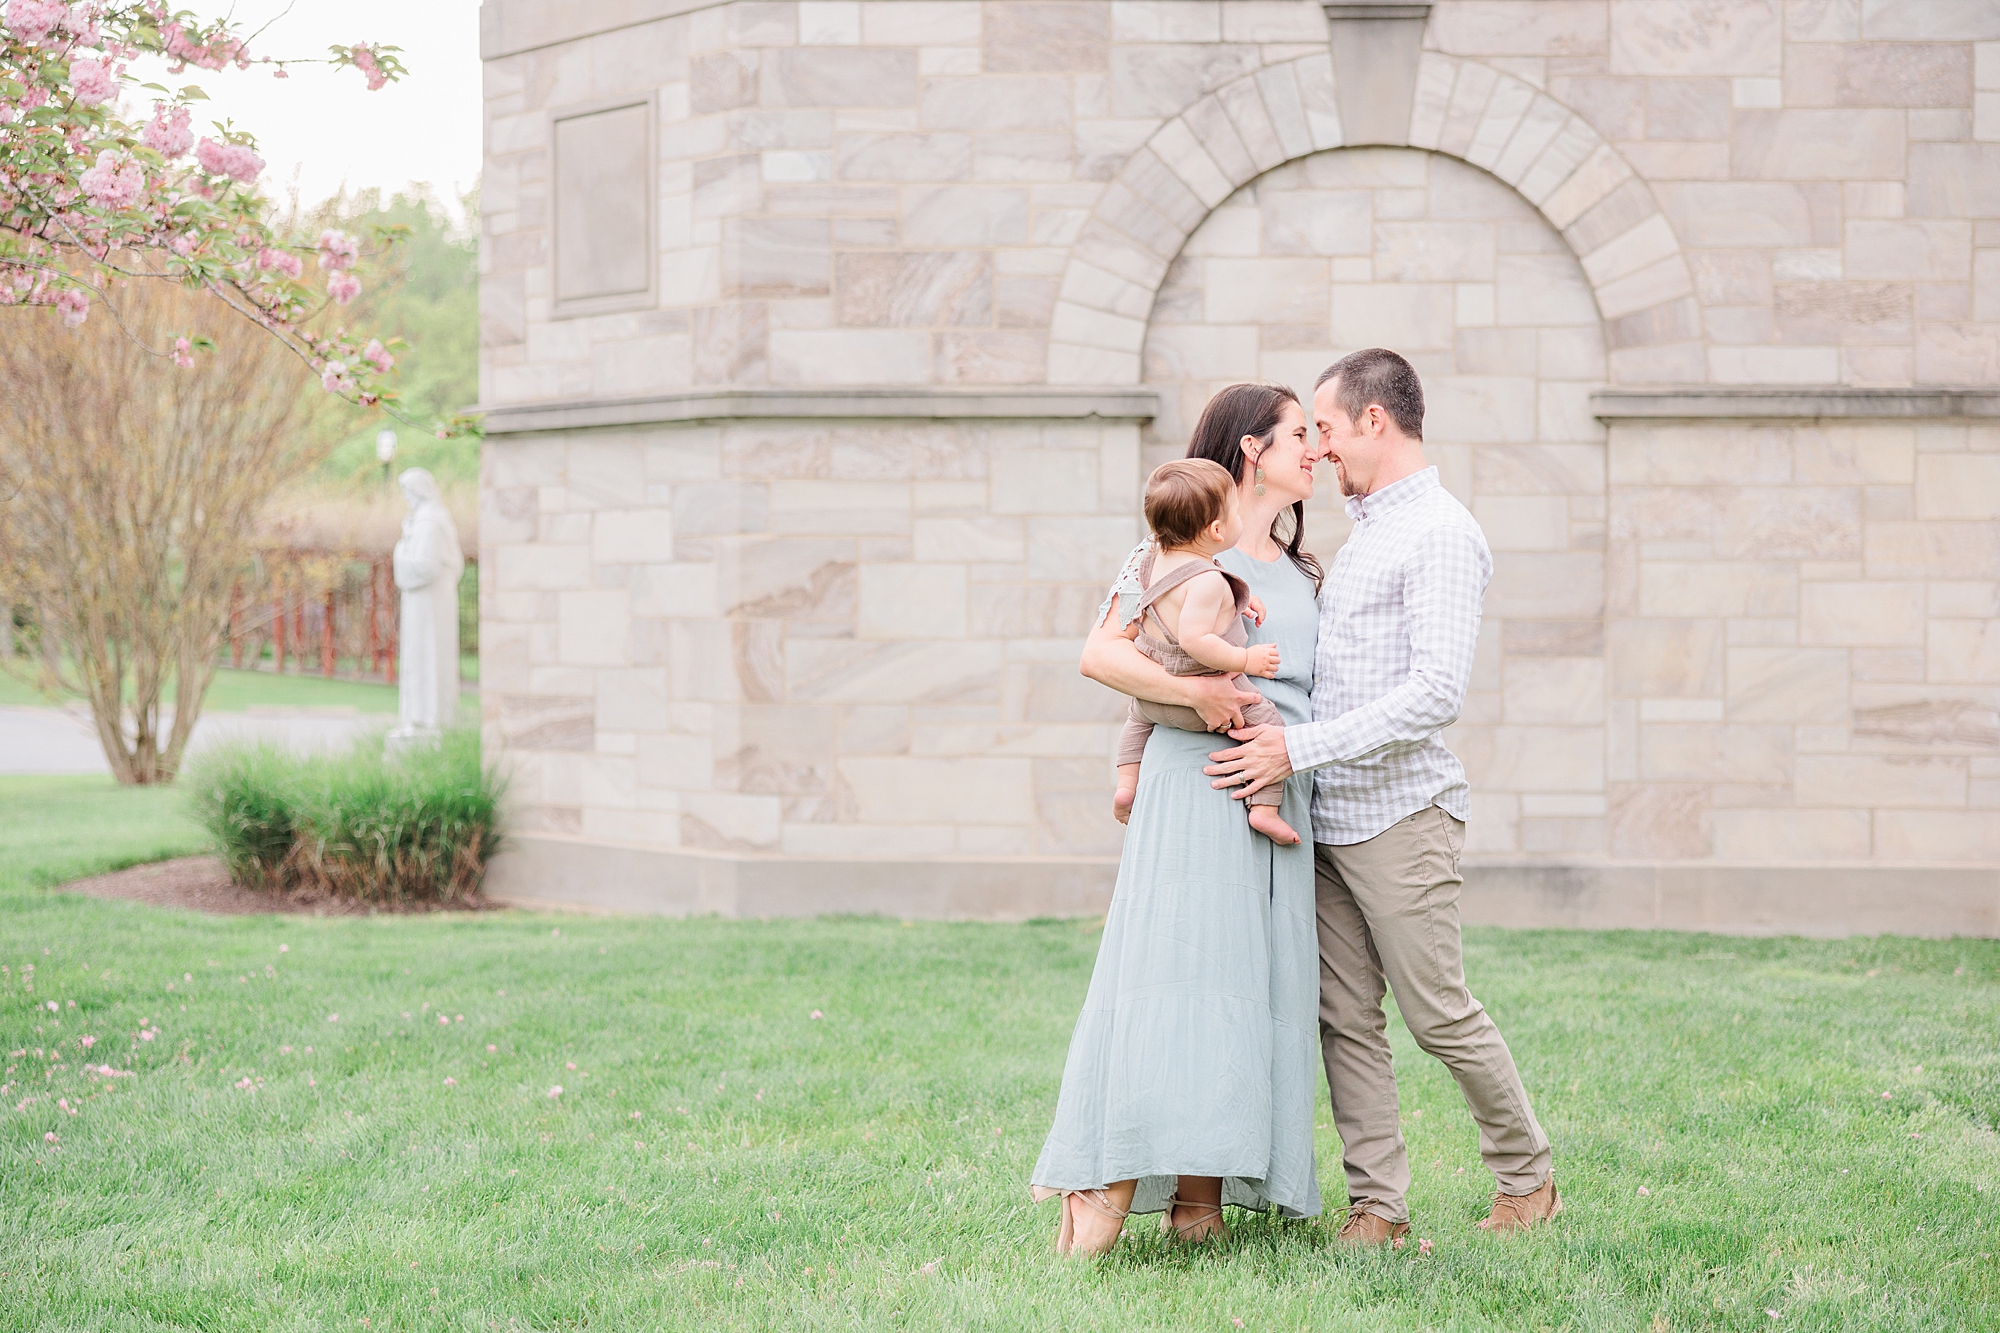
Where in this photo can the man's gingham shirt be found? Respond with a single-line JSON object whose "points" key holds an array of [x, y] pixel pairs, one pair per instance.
{"points": [[1397, 623]]}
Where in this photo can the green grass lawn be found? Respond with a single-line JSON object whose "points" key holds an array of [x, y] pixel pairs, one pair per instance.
{"points": [[237, 691], [1743, 1128]]}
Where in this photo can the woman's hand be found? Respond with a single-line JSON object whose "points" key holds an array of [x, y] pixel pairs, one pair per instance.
{"points": [[1219, 702]]}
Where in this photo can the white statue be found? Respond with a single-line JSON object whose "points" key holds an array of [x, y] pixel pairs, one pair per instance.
{"points": [[428, 564]]}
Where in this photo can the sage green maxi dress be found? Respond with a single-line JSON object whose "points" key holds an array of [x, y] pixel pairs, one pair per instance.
{"points": [[1197, 1051]]}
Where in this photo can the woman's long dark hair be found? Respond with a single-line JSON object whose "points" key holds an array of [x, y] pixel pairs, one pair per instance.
{"points": [[1253, 409]]}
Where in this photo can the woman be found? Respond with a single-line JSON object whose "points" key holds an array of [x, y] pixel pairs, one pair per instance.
{"points": [[1192, 1073]]}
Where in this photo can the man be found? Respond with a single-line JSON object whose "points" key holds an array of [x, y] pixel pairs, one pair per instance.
{"points": [[1398, 621]]}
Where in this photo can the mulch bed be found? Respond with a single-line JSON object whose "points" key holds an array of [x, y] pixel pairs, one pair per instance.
{"points": [[201, 884]]}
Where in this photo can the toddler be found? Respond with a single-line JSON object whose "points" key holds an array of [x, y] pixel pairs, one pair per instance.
{"points": [[1190, 620]]}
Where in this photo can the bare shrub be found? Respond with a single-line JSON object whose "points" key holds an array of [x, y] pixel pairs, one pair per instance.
{"points": [[129, 496]]}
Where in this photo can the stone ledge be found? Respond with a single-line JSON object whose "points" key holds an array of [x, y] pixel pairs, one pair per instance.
{"points": [[509, 27], [548, 871], [914, 404], [542, 870], [1822, 902], [1781, 402]]}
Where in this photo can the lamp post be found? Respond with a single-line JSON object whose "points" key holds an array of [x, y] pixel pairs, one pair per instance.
{"points": [[385, 450]]}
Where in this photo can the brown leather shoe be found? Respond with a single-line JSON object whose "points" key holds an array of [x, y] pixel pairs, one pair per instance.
{"points": [[1365, 1228], [1518, 1212]]}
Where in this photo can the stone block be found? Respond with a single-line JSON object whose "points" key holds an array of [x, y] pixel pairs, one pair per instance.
{"points": [[1958, 486], [914, 288], [1836, 145], [1787, 685], [1694, 37], [1315, 222], [1937, 835], [997, 103], [1797, 522], [1434, 251], [909, 790], [1861, 614], [911, 602], [1410, 316], [1659, 821], [1523, 523], [1901, 718], [939, 672], [849, 356], [1564, 691], [1654, 659], [1731, 455], [1546, 585], [1553, 638], [1714, 752], [981, 357], [1913, 249], [1963, 651], [1843, 311], [1480, 409], [964, 215], [776, 256], [1858, 781], [541, 566], [1046, 36], [903, 157], [1538, 469], [1265, 291], [1534, 758], [1044, 481], [838, 77], [593, 626], [1765, 836], [1904, 74], [632, 536], [1729, 214], [632, 699], [1706, 588], [1543, 290]]}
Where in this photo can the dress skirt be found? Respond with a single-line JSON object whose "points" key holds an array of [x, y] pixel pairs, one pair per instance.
{"points": [[1197, 1052]]}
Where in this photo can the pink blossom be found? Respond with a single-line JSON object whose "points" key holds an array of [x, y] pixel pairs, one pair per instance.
{"points": [[86, 1042], [364, 60], [75, 307], [82, 23], [378, 356], [115, 182], [337, 250], [147, 1036], [49, 1137], [1424, 1246], [53, 1006], [335, 379], [343, 287], [183, 354], [234, 160], [378, 346], [555, 1092], [91, 82], [289, 264], [167, 133], [817, 1014], [450, 1082], [32, 20]]}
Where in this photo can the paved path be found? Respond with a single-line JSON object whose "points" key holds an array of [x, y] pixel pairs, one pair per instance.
{"points": [[62, 740]]}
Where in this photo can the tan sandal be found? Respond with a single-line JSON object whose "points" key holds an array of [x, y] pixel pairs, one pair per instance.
{"points": [[1201, 1224], [1066, 1225]]}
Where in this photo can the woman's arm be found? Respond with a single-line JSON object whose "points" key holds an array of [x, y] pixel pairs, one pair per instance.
{"points": [[1111, 658]]}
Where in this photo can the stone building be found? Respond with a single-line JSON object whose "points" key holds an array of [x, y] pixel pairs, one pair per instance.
{"points": [[826, 345]]}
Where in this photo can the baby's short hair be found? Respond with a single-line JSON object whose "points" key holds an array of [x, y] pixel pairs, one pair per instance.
{"points": [[1185, 496]]}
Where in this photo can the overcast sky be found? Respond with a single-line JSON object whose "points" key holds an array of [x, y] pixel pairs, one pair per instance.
{"points": [[325, 126]]}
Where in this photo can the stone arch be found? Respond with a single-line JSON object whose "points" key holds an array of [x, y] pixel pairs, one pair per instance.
{"points": [[1607, 215]]}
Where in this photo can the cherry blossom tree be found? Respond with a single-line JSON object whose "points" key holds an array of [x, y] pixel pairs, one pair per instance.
{"points": [[105, 181]]}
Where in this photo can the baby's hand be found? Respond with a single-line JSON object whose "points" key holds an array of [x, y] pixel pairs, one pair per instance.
{"points": [[1261, 660], [1256, 610]]}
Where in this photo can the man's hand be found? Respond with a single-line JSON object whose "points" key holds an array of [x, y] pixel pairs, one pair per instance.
{"points": [[1254, 765], [1218, 702]]}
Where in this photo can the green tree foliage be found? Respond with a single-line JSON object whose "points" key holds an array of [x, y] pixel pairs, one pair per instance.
{"points": [[426, 291]]}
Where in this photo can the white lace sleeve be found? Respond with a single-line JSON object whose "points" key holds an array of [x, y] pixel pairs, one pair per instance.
{"points": [[1126, 589]]}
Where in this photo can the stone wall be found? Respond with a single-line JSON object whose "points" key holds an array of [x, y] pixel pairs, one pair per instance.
{"points": [[825, 345]]}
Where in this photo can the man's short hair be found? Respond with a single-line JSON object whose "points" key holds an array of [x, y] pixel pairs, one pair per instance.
{"points": [[1377, 375], [1185, 496]]}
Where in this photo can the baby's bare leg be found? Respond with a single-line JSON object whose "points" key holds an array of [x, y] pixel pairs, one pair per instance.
{"points": [[1263, 805], [1128, 791], [1131, 748]]}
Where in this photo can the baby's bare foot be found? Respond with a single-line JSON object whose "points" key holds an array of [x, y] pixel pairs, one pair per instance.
{"points": [[1264, 818], [1121, 804]]}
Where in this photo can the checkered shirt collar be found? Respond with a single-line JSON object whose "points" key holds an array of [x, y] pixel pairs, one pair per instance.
{"points": [[1395, 493]]}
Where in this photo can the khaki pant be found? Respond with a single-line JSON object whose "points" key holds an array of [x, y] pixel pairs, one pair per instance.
{"points": [[1388, 912]]}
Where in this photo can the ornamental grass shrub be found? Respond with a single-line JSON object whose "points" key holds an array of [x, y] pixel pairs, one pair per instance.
{"points": [[419, 826]]}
